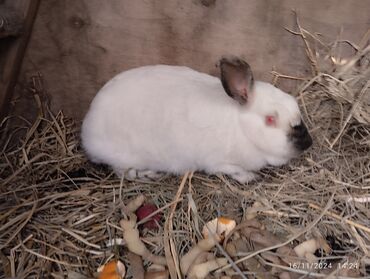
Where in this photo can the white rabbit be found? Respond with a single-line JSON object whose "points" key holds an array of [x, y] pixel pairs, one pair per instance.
{"points": [[174, 119]]}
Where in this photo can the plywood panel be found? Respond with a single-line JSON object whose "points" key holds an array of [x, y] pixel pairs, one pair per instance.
{"points": [[79, 45], [13, 48]]}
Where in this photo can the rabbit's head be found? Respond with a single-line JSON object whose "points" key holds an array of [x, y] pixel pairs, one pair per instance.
{"points": [[270, 118]]}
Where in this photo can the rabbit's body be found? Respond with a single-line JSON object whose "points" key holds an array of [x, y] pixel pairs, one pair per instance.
{"points": [[174, 119]]}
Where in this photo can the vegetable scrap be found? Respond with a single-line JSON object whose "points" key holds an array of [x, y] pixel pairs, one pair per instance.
{"points": [[112, 270]]}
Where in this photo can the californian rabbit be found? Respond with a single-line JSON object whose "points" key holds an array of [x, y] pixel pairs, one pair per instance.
{"points": [[174, 119]]}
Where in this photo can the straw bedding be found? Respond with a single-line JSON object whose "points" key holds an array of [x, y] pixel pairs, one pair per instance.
{"points": [[59, 214]]}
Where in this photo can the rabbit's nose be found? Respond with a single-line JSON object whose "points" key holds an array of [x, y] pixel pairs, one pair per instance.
{"points": [[301, 138]]}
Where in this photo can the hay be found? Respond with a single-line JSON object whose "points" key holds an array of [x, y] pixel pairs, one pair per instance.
{"points": [[60, 214]]}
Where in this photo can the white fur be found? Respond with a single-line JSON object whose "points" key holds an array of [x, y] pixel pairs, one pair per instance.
{"points": [[175, 119]]}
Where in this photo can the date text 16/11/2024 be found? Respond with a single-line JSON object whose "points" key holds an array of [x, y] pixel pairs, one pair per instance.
{"points": [[324, 265]]}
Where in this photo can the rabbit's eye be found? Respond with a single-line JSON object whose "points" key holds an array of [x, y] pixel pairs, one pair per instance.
{"points": [[270, 120]]}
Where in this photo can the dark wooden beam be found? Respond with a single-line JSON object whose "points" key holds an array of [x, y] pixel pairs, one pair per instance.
{"points": [[12, 51]]}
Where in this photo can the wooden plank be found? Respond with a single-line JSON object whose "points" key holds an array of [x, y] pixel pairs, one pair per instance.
{"points": [[11, 22], [13, 49]]}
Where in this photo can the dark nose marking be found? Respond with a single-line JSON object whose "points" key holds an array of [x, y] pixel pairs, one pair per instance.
{"points": [[300, 136]]}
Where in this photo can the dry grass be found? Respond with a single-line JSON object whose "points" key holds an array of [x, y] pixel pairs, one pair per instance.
{"points": [[60, 214]]}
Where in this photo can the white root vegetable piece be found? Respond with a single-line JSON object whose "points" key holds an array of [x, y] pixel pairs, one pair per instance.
{"points": [[200, 271], [134, 243], [132, 238], [134, 204], [220, 226], [310, 246], [202, 258], [311, 258], [203, 245]]}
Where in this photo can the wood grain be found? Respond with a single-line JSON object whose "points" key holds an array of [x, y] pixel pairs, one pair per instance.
{"points": [[12, 53]]}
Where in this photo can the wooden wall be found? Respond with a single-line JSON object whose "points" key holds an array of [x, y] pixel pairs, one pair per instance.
{"points": [[78, 45], [16, 21]]}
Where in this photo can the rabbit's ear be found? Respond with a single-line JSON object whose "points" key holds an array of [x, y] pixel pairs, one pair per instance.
{"points": [[236, 78]]}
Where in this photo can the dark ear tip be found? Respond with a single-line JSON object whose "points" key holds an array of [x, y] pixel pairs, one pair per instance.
{"points": [[230, 57], [222, 61], [227, 60], [233, 60]]}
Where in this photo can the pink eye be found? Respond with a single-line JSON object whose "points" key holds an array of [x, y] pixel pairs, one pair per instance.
{"points": [[270, 120]]}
